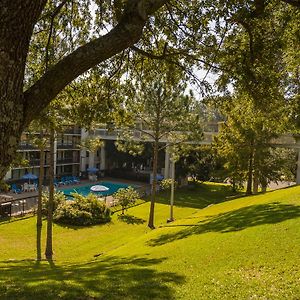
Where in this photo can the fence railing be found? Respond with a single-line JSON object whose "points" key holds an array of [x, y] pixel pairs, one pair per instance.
{"points": [[18, 207]]}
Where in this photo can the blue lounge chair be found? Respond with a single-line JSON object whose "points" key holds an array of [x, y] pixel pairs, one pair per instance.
{"points": [[70, 179], [75, 179], [65, 180], [15, 189]]}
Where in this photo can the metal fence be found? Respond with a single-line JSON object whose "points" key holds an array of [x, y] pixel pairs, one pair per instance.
{"points": [[18, 207]]}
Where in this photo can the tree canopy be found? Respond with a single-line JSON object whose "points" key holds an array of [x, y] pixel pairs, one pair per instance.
{"points": [[116, 34]]}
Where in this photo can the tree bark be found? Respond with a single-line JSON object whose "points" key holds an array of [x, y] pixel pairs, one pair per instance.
{"points": [[250, 173], [17, 19], [255, 182], [39, 222], [49, 248], [255, 173], [264, 185], [154, 184], [18, 109]]}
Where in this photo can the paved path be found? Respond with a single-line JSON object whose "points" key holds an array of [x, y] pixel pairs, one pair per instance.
{"points": [[280, 185]]}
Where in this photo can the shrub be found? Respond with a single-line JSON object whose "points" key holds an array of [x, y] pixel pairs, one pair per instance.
{"points": [[126, 197], [59, 198], [82, 211], [4, 186], [167, 183]]}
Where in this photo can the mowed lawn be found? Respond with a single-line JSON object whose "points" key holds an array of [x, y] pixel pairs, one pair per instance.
{"points": [[244, 248]]}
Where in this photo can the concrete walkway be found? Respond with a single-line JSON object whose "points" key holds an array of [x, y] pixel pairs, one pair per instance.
{"points": [[280, 185]]}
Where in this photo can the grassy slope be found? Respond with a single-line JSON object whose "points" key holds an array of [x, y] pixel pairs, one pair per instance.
{"points": [[247, 248]]}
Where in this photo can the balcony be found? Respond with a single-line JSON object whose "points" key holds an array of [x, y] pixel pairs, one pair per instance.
{"points": [[67, 146], [65, 161], [24, 147], [34, 162], [75, 131]]}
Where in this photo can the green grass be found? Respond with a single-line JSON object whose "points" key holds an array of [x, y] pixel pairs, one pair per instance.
{"points": [[245, 248]]}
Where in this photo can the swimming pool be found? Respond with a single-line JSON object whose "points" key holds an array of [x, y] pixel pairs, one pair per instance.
{"points": [[86, 189]]}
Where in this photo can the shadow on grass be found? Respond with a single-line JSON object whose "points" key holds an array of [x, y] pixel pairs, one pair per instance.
{"points": [[199, 195], [111, 278], [5, 220], [132, 220], [239, 219]]}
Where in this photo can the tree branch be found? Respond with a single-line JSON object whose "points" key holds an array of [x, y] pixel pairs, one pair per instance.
{"points": [[124, 35], [166, 55], [295, 3], [54, 14]]}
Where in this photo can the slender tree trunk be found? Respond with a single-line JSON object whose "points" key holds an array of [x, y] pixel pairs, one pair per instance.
{"points": [[154, 184], [49, 250], [250, 172], [171, 219], [39, 222], [233, 185], [255, 182], [264, 185]]}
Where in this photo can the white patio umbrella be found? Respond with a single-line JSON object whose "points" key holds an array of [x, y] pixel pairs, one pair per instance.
{"points": [[99, 188]]}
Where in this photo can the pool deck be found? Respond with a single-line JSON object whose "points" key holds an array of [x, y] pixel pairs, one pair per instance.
{"points": [[109, 199]]}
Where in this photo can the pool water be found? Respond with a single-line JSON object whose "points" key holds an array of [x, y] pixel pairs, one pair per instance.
{"points": [[85, 190]]}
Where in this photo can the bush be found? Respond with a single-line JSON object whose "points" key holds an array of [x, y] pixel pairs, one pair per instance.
{"points": [[82, 211], [59, 198]]}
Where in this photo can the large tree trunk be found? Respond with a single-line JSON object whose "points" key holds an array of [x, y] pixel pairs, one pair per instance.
{"points": [[39, 222], [154, 184], [49, 249], [17, 19]]}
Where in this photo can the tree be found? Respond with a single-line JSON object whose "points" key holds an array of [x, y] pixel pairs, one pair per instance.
{"points": [[126, 197], [199, 162], [245, 142], [41, 142], [254, 61], [161, 113]]}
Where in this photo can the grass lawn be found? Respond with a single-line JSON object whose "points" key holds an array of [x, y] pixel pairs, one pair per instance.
{"points": [[244, 248]]}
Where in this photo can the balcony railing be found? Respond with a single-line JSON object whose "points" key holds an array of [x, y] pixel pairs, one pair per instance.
{"points": [[67, 146], [73, 131], [34, 162], [27, 147], [67, 161]]}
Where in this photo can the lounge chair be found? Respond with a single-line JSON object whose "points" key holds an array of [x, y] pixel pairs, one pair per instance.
{"points": [[35, 187], [25, 187], [76, 179], [64, 181], [61, 182], [70, 179], [56, 183], [15, 189]]}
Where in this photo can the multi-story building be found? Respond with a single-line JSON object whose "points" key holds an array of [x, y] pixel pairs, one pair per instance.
{"points": [[67, 158], [71, 159]]}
